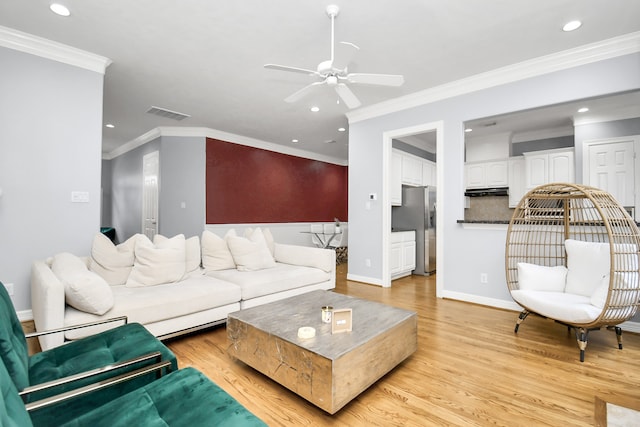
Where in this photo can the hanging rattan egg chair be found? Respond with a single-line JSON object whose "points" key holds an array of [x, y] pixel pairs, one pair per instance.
{"points": [[572, 256]]}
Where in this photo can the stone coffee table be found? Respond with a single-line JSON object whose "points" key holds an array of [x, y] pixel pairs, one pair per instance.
{"points": [[328, 370]]}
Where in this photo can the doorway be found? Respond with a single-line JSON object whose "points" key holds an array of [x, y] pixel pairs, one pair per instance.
{"points": [[409, 135]]}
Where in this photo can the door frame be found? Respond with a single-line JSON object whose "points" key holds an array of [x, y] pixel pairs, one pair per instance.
{"points": [[387, 147]]}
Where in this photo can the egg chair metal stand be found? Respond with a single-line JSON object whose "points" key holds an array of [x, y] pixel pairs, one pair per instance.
{"points": [[542, 222]]}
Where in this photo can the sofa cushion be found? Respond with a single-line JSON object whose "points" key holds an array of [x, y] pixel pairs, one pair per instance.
{"points": [[161, 302], [280, 278], [157, 264], [565, 307], [83, 289], [534, 277], [182, 398], [252, 253], [215, 251], [588, 264], [113, 263], [268, 237]]}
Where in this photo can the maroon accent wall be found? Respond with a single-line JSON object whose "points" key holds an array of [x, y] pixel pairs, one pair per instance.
{"points": [[251, 185]]}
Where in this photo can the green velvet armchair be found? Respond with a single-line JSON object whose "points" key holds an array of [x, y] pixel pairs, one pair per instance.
{"points": [[76, 364], [184, 398]]}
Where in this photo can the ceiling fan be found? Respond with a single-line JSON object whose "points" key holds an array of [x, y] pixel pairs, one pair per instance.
{"points": [[334, 72]]}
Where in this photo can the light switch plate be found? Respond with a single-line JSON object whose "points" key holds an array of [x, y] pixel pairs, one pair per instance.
{"points": [[80, 197]]}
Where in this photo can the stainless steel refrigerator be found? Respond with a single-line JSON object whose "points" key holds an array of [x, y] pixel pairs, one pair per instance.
{"points": [[418, 212]]}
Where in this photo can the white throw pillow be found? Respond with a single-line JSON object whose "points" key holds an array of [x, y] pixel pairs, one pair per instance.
{"points": [[588, 264], [113, 263], [192, 251], [157, 264], [83, 289], [268, 237], [532, 277], [215, 251], [251, 253]]}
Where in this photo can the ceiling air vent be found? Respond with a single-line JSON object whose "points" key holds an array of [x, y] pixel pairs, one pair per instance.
{"points": [[163, 112]]}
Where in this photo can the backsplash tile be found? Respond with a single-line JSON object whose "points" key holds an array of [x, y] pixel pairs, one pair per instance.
{"points": [[488, 208]]}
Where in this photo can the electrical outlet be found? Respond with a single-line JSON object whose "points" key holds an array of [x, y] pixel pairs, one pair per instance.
{"points": [[10, 288], [484, 278], [367, 262]]}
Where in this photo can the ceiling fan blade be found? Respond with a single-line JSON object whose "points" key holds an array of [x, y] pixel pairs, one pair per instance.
{"points": [[345, 51], [376, 79], [292, 69], [347, 96], [302, 92]]}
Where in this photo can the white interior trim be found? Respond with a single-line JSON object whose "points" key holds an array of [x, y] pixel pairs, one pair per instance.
{"points": [[387, 146], [582, 55], [34, 45], [203, 132]]}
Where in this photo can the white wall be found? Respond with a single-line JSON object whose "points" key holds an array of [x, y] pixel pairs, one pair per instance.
{"points": [[50, 145], [466, 253]]}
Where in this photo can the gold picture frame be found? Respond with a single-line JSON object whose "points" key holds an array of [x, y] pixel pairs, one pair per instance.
{"points": [[341, 320]]}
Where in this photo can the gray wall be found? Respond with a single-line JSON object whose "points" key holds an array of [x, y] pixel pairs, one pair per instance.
{"points": [[182, 179], [50, 145], [541, 144], [466, 253], [105, 209]]}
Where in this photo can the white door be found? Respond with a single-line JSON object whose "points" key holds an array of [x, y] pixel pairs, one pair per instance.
{"points": [[611, 168], [150, 170]]}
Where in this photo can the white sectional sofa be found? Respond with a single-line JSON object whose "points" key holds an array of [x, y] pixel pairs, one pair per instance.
{"points": [[219, 278]]}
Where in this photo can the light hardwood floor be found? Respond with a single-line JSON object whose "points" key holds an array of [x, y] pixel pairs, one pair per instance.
{"points": [[470, 369]]}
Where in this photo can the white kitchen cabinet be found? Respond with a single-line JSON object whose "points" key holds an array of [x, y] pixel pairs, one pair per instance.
{"points": [[487, 174], [543, 167], [395, 184], [428, 173], [402, 253], [411, 170], [517, 187]]}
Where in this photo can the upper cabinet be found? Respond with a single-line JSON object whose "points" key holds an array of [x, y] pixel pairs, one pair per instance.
{"points": [[490, 174], [411, 170], [395, 186], [517, 187], [407, 169], [542, 167]]}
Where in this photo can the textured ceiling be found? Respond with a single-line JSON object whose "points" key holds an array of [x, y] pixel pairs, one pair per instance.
{"points": [[206, 58]]}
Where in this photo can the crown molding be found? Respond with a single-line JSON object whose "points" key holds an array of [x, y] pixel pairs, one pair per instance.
{"points": [[203, 132], [34, 45], [605, 49]]}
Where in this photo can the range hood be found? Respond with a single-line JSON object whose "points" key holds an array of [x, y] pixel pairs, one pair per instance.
{"points": [[481, 192]]}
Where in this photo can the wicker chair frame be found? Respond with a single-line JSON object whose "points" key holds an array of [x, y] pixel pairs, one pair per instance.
{"points": [[547, 216]]}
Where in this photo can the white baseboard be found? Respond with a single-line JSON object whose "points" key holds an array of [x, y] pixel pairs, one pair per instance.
{"points": [[510, 305], [25, 315], [365, 279]]}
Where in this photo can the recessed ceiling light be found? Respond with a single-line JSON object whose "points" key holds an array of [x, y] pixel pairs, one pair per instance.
{"points": [[583, 110], [294, 141], [572, 25], [315, 109], [341, 129], [468, 130], [109, 125], [59, 9]]}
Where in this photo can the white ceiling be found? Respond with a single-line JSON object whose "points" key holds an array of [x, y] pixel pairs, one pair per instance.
{"points": [[205, 58]]}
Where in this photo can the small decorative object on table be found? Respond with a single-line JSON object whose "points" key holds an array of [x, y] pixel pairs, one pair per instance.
{"points": [[341, 321], [337, 229], [326, 313]]}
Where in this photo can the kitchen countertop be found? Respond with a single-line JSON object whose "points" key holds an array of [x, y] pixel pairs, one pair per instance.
{"points": [[400, 230]]}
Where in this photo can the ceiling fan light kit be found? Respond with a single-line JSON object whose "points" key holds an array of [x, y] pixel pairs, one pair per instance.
{"points": [[335, 74]]}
